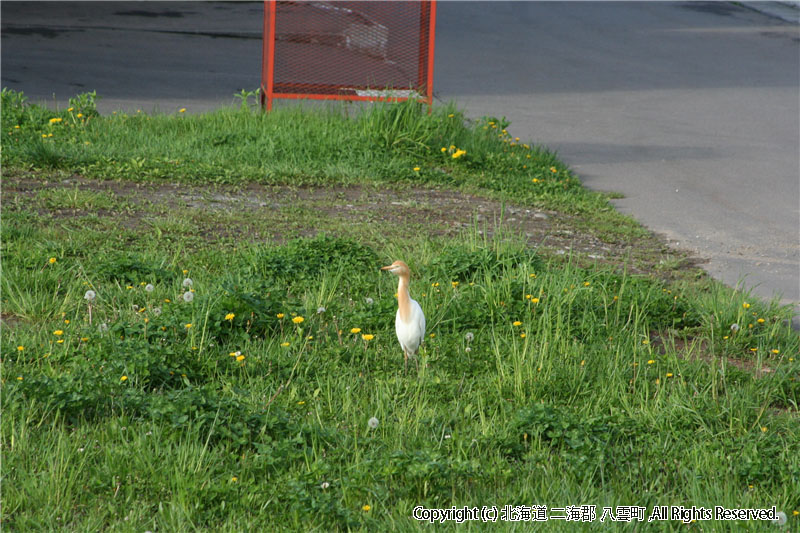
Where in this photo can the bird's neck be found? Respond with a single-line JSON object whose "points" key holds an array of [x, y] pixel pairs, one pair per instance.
{"points": [[404, 298]]}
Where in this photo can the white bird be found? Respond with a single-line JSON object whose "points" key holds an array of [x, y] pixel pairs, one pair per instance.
{"points": [[409, 324]]}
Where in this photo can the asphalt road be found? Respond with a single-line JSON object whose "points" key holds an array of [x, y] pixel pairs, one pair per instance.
{"points": [[691, 110]]}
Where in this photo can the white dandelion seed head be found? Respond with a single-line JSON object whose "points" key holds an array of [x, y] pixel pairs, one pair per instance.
{"points": [[90, 295], [781, 519], [188, 296], [469, 336], [237, 353], [188, 282], [320, 310], [156, 311], [149, 287], [734, 327], [373, 422], [135, 307], [325, 485], [467, 349], [369, 301]]}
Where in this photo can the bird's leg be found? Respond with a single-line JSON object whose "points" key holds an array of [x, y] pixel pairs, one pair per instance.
{"points": [[416, 361], [405, 366]]}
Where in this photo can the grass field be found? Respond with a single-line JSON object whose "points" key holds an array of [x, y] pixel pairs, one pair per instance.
{"points": [[197, 335]]}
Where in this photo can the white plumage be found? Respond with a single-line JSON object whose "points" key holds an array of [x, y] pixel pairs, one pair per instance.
{"points": [[409, 323], [411, 333]]}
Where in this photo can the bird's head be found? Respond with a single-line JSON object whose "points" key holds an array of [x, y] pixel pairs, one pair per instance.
{"points": [[398, 268]]}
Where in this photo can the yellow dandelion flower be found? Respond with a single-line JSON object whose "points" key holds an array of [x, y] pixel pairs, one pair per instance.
{"points": [[229, 316], [301, 402], [535, 300], [776, 352], [56, 120], [454, 284], [58, 332], [79, 115], [760, 320], [123, 378], [651, 361], [167, 300], [298, 319], [532, 276], [416, 169], [516, 323], [763, 429], [284, 344], [366, 508], [52, 260], [84, 339], [367, 336], [753, 349], [553, 170], [535, 180], [355, 330], [20, 348], [19, 378], [669, 374], [240, 358], [746, 305], [432, 335], [188, 326], [60, 341], [658, 381], [587, 283], [182, 110], [645, 341], [280, 315], [234, 479], [522, 335]]}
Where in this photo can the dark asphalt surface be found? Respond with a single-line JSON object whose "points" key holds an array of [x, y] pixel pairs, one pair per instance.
{"points": [[691, 110]]}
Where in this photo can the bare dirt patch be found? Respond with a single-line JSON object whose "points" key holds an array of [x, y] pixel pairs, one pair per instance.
{"points": [[278, 213]]}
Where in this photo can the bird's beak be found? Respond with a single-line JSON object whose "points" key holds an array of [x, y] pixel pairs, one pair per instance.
{"points": [[387, 267]]}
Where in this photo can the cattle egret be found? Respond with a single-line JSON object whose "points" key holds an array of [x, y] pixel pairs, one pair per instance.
{"points": [[409, 323]]}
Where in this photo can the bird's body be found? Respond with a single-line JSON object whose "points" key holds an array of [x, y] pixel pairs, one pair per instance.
{"points": [[410, 320], [410, 333]]}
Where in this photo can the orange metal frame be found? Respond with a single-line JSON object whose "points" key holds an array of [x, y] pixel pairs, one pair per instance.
{"points": [[268, 64]]}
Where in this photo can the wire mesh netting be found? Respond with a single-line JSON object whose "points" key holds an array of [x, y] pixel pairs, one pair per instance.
{"points": [[348, 49]]}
